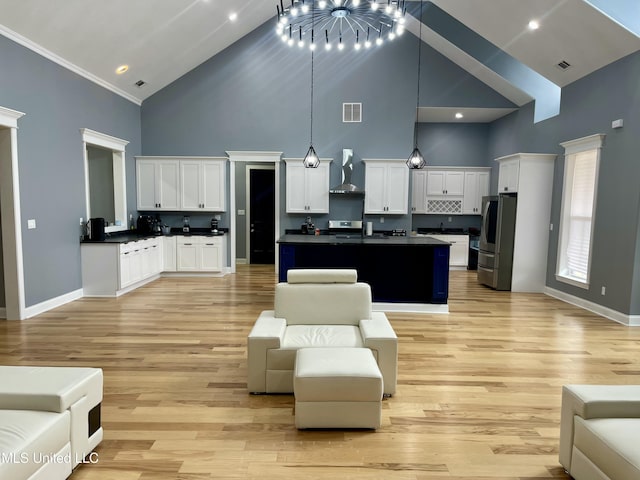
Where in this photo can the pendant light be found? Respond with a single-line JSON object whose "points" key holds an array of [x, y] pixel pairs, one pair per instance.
{"points": [[311, 159], [416, 160]]}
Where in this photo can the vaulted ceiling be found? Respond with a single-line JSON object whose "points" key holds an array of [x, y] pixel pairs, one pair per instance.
{"points": [[161, 40]]}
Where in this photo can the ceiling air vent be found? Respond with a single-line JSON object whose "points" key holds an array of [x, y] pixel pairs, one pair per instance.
{"points": [[352, 112], [140, 83], [563, 65]]}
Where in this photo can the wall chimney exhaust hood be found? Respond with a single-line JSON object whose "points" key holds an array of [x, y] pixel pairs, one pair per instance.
{"points": [[346, 187]]}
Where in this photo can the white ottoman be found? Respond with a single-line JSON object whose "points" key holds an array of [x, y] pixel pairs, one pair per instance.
{"points": [[75, 390], [337, 388]]}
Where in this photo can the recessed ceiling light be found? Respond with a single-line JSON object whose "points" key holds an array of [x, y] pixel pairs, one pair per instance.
{"points": [[121, 69], [459, 115], [233, 16], [534, 25]]}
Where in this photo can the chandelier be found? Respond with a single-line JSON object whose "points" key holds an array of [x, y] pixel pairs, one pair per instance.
{"points": [[338, 23]]}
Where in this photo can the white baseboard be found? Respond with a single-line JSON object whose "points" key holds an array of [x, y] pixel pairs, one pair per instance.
{"points": [[623, 318], [410, 307], [241, 261], [3, 312], [52, 303]]}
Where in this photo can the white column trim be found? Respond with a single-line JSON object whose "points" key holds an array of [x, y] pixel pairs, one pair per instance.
{"points": [[11, 221]]}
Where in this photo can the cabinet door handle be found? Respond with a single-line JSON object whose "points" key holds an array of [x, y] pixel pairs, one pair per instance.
{"points": [[189, 244], [210, 244]]}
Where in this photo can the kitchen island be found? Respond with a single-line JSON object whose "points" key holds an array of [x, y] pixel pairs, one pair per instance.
{"points": [[405, 273]]}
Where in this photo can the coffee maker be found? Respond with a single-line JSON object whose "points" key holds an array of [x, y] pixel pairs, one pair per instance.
{"points": [[214, 225]]}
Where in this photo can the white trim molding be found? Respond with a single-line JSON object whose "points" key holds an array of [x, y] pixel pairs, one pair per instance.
{"points": [[9, 118], [430, 308], [253, 157], [11, 216], [582, 144], [3, 312], [628, 320], [52, 303], [40, 50]]}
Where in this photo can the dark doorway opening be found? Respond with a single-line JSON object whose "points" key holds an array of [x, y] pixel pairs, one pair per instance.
{"points": [[261, 216]]}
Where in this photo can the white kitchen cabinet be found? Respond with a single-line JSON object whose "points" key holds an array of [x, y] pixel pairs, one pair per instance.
{"points": [[307, 189], [139, 260], [169, 246], [181, 184], [111, 269], [458, 251], [202, 185], [157, 184], [200, 254], [386, 186], [531, 176], [419, 191], [508, 175], [445, 183], [476, 186]]}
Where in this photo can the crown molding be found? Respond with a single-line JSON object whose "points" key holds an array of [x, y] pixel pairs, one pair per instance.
{"points": [[40, 50]]}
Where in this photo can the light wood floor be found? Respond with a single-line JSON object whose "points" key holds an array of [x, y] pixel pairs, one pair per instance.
{"points": [[478, 394]]}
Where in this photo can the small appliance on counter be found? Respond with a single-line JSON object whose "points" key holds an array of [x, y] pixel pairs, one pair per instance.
{"points": [[95, 229], [146, 224], [185, 224], [214, 225], [308, 227]]}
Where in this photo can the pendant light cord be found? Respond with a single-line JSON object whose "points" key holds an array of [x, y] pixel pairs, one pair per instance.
{"points": [[415, 127], [313, 15], [311, 97]]}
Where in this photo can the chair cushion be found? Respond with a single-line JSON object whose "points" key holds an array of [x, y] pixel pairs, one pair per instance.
{"points": [[323, 304], [301, 336], [53, 389], [27, 437], [611, 444], [319, 275]]}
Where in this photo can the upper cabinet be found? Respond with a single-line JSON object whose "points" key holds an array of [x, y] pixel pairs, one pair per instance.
{"points": [[449, 190], [181, 184], [508, 175], [476, 186], [386, 186], [202, 185], [445, 183], [157, 184], [307, 188]]}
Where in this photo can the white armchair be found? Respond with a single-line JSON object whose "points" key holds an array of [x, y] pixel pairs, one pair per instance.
{"points": [[318, 308]]}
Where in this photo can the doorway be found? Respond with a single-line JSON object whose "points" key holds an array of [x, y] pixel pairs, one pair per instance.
{"points": [[261, 214]]}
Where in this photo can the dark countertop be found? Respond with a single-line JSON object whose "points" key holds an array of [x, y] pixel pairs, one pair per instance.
{"points": [[133, 236], [356, 239]]}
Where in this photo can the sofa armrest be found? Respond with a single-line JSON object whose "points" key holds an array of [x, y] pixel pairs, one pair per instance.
{"points": [[594, 401], [266, 334], [378, 335]]}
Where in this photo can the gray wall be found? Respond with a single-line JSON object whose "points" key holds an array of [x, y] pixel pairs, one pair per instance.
{"points": [[255, 95], [588, 107], [58, 103]]}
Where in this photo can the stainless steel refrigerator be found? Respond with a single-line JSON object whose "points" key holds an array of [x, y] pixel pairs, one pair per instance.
{"points": [[497, 233]]}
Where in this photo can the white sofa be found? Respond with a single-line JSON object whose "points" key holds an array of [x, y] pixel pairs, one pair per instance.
{"points": [[317, 308], [49, 420], [600, 432]]}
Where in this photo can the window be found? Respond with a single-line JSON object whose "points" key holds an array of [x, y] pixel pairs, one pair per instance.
{"points": [[579, 192]]}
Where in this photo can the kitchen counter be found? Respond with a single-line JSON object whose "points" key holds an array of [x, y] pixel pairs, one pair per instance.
{"points": [[132, 236], [355, 239], [405, 273]]}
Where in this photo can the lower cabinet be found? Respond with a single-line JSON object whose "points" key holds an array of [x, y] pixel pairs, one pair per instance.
{"points": [[140, 260], [199, 254], [169, 246], [459, 250], [111, 269]]}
